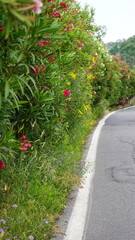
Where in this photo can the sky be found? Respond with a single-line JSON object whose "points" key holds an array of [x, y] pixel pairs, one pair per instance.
{"points": [[117, 15]]}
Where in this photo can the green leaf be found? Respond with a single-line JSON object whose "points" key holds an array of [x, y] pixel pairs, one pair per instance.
{"points": [[20, 17], [23, 102], [49, 29], [26, 1], [8, 26], [13, 54], [0, 99], [25, 8], [7, 87], [24, 81], [20, 57], [16, 100]]}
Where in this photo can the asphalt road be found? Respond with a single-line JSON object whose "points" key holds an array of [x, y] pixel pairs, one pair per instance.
{"points": [[111, 214]]}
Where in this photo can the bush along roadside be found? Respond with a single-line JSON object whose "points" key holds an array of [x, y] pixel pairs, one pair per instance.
{"points": [[57, 79]]}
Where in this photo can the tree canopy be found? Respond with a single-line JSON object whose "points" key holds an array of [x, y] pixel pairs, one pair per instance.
{"points": [[125, 48]]}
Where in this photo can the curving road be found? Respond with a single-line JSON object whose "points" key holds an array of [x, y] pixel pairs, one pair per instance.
{"points": [[111, 214]]}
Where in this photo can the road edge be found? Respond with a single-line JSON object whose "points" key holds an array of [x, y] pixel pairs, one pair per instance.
{"points": [[75, 227]]}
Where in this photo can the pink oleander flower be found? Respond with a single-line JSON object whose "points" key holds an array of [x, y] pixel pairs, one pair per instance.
{"points": [[31, 101], [122, 101], [67, 101], [24, 149], [67, 29], [23, 143], [121, 68], [38, 68], [41, 44], [48, 38], [44, 42], [51, 59], [52, 6], [27, 145], [56, 14], [2, 164], [66, 93], [23, 137], [36, 71], [63, 5], [37, 6]]}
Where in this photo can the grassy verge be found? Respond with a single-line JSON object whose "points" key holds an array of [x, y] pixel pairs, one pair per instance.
{"points": [[36, 185]]}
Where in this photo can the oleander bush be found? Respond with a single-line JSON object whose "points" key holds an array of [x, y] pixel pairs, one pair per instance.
{"points": [[57, 78]]}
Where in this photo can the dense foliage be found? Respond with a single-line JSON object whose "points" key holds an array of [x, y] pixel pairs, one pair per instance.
{"points": [[56, 79], [126, 50]]}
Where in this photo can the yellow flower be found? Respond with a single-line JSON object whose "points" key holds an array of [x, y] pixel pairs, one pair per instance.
{"points": [[92, 122], [90, 76], [86, 107], [90, 67], [73, 75], [93, 60], [68, 83], [80, 112]]}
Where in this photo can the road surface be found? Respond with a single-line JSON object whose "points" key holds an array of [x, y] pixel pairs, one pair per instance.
{"points": [[111, 215]]}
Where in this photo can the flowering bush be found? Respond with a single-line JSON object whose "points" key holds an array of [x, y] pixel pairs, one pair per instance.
{"points": [[54, 74], [48, 39]]}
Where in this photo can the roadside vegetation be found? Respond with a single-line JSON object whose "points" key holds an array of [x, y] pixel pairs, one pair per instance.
{"points": [[125, 49], [57, 79]]}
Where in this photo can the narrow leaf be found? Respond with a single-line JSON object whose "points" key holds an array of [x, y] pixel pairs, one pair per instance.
{"points": [[7, 87], [0, 99]]}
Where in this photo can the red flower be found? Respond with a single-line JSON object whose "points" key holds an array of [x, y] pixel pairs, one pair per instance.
{"points": [[1, 28], [24, 149], [2, 164], [52, 6], [66, 93], [122, 101], [42, 43], [67, 29], [23, 137], [27, 144], [36, 71], [63, 5], [38, 68], [48, 38], [56, 14], [51, 59]]}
